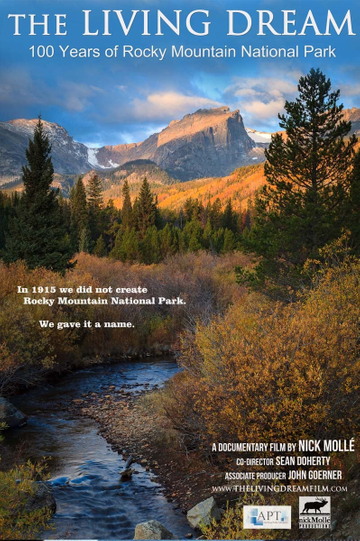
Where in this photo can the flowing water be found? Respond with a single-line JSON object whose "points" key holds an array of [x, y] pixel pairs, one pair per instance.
{"points": [[92, 502]]}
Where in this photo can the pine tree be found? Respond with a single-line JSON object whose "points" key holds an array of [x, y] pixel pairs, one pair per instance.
{"points": [[37, 233], [145, 210], [353, 210], [193, 234], [95, 206], [207, 235], [215, 215], [84, 240], [302, 207], [79, 213], [129, 246], [111, 221], [126, 246], [217, 240], [168, 241], [95, 197], [126, 211], [150, 246], [79, 208], [115, 253], [7, 209], [229, 218], [100, 247], [229, 241]]}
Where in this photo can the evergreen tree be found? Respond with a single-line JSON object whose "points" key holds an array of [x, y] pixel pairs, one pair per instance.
{"points": [[111, 221], [303, 206], [7, 209], [215, 215], [353, 211], [95, 197], [37, 233], [189, 209], [95, 206], [79, 212], [217, 240], [168, 241], [100, 247], [229, 218], [193, 233], [145, 210], [126, 246], [229, 241], [79, 208], [130, 246], [126, 211], [150, 246], [84, 240], [115, 253], [207, 236]]}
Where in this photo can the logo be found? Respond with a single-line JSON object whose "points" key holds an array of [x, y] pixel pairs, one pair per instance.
{"points": [[267, 517], [314, 512]]}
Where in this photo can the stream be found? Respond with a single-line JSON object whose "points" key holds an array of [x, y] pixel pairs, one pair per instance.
{"points": [[92, 502]]}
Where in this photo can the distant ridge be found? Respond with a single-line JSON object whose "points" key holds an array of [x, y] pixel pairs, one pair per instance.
{"points": [[209, 142]]}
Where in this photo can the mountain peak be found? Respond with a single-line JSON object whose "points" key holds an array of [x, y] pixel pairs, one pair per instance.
{"points": [[206, 143], [212, 111]]}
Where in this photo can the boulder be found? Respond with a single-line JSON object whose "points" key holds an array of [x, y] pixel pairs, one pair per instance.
{"points": [[203, 513], [10, 415], [41, 499], [152, 530]]}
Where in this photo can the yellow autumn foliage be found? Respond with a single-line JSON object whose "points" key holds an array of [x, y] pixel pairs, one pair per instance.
{"points": [[269, 372], [17, 487]]}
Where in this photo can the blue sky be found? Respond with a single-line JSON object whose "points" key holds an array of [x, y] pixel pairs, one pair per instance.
{"points": [[114, 101]]}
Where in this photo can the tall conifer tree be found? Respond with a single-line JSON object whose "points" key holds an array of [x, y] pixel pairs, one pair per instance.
{"points": [[145, 208], [95, 206], [79, 208], [126, 211], [37, 234], [303, 207]]}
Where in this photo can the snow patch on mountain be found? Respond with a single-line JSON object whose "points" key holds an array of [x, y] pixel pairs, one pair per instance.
{"points": [[92, 159], [259, 136]]}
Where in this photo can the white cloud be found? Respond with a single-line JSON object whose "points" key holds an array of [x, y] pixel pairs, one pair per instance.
{"points": [[264, 111], [260, 99], [161, 105]]}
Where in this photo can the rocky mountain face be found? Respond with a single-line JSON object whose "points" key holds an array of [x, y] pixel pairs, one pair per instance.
{"points": [[354, 116], [69, 157], [209, 142]]}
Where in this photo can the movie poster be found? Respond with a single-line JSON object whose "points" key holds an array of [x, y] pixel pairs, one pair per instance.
{"points": [[179, 269]]}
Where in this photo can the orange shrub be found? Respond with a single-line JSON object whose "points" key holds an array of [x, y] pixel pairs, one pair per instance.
{"points": [[268, 372]]}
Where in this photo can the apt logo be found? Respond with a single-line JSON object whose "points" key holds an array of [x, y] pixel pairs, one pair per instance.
{"points": [[267, 517]]}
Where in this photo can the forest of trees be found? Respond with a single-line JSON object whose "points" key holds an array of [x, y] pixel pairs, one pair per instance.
{"points": [[139, 232], [312, 194]]}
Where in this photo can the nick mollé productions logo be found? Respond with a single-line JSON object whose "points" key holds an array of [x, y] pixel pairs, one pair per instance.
{"points": [[267, 517], [314, 512]]}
